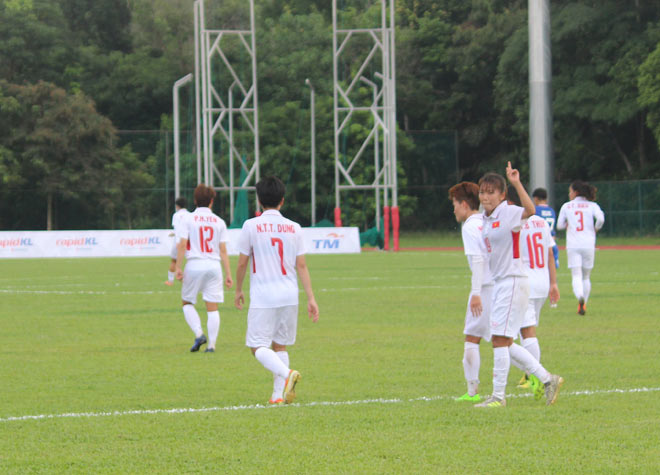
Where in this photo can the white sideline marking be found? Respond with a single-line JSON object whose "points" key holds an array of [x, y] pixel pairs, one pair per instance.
{"points": [[139, 412]]}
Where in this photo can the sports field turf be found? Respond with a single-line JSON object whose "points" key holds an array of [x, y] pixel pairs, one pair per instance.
{"points": [[98, 350]]}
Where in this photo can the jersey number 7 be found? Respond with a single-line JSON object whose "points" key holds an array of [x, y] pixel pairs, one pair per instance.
{"points": [[280, 250]]}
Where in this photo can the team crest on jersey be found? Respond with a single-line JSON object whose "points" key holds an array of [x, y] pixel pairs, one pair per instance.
{"points": [[496, 224]]}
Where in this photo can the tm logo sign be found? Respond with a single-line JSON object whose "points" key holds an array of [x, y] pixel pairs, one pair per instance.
{"points": [[331, 241]]}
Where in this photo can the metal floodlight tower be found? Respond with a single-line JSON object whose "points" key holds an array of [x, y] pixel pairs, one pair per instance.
{"points": [[382, 107], [220, 112], [541, 160]]}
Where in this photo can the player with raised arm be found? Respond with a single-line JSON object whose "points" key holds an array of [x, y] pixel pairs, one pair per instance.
{"points": [[501, 234], [545, 211], [465, 198], [275, 246], [582, 218], [536, 252], [180, 213], [203, 235]]}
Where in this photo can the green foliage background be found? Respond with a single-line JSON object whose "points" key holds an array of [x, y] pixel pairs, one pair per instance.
{"points": [[462, 101]]}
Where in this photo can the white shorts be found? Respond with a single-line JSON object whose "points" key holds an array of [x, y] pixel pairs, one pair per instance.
{"points": [[202, 276], [479, 326], [531, 318], [580, 258], [510, 296], [268, 325]]}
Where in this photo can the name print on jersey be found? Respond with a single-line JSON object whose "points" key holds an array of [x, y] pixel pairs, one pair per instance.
{"points": [[280, 228]]}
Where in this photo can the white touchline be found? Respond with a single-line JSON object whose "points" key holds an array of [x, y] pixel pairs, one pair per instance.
{"points": [[139, 412]]}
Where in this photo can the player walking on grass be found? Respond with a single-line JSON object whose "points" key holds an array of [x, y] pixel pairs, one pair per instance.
{"points": [[545, 211], [275, 245], [177, 217], [465, 198], [501, 234], [204, 236], [537, 255], [582, 218]]}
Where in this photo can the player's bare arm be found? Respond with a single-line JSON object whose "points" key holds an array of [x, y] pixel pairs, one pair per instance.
{"points": [[303, 274], [513, 175], [224, 258], [241, 269], [180, 254], [554, 288]]}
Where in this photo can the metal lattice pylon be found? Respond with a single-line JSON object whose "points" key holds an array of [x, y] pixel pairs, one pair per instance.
{"points": [[376, 70], [221, 107]]}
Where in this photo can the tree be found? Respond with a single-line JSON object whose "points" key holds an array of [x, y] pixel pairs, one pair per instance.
{"points": [[60, 142]]}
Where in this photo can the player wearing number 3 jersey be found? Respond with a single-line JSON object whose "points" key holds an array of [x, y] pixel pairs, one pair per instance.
{"points": [[202, 238], [275, 246], [582, 218]]}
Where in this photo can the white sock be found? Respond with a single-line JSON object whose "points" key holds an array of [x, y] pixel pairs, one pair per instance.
{"points": [[271, 362], [501, 363], [170, 276], [213, 324], [532, 345], [586, 283], [192, 318], [524, 360], [576, 280], [471, 365], [278, 381]]}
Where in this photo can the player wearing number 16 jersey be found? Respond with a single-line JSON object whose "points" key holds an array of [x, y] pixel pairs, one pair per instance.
{"points": [[204, 236], [275, 246], [582, 218]]}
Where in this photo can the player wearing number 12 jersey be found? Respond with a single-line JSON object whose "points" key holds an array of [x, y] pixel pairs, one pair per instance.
{"points": [[582, 218], [204, 237], [275, 246]]}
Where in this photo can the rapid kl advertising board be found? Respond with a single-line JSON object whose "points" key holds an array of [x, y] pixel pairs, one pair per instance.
{"points": [[148, 242]]}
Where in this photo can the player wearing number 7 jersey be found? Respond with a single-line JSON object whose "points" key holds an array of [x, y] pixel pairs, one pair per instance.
{"points": [[204, 236], [582, 218], [275, 246]]}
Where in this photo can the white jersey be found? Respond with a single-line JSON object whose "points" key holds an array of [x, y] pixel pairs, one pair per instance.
{"points": [[474, 245], [501, 235], [535, 240], [204, 232], [178, 217], [577, 217], [273, 243]]}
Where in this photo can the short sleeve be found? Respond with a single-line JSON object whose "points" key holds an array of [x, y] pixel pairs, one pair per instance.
{"points": [[182, 227], [300, 241], [472, 240], [514, 216], [224, 234], [243, 246]]}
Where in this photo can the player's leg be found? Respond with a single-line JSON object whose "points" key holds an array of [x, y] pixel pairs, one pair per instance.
{"points": [[555, 253], [476, 327], [285, 335], [259, 338], [172, 268], [212, 324], [278, 381], [575, 264], [213, 293], [587, 266], [189, 291]]}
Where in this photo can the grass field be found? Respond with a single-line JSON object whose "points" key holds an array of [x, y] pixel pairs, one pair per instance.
{"points": [[98, 349]]}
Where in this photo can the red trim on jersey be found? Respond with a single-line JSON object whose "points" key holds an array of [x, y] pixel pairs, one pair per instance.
{"points": [[254, 264], [516, 244]]}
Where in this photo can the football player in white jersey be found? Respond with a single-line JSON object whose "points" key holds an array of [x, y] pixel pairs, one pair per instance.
{"points": [[501, 234], [465, 198], [275, 246], [537, 256], [180, 213], [582, 218], [202, 238]]}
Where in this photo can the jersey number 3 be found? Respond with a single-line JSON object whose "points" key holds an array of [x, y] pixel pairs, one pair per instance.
{"points": [[580, 216], [280, 250]]}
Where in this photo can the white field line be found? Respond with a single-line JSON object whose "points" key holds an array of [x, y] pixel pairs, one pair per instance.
{"points": [[156, 292], [139, 412]]}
